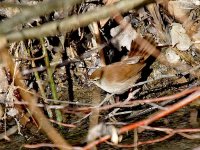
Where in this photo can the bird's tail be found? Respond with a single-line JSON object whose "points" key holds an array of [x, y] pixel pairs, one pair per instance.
{"points": [[143, 47]]}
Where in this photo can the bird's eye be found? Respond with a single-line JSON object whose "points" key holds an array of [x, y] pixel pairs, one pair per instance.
{"points": [[96, 79]]}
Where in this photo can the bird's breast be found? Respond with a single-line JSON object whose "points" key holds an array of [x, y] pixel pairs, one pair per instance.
{"points": [[117, 87]]}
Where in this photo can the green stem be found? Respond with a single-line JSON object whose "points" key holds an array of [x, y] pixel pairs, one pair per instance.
{"points": [[51, 80]]}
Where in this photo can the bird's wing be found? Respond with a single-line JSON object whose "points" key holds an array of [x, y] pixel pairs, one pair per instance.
{"points": [[122, 72]]}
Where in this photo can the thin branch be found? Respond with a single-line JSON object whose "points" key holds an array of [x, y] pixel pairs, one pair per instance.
{"points": [[31, 99], [74, 22], [134, 102], [151, 119], [9, 132], [35, 11], [14, 5]]}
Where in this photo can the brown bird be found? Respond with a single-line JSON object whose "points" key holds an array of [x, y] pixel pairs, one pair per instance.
{"points": [[120, 76]]}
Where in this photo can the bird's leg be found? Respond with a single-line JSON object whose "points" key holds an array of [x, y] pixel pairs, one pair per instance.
{"points": [[132, 93]]}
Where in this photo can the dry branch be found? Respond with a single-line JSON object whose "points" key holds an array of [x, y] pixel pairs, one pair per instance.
{"points": [[74, 22], [35, 11], [31, 99], [151, 119]]}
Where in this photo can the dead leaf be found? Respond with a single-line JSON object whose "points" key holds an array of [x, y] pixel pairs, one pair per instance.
{"points": [[179, 37], [123, 38]]}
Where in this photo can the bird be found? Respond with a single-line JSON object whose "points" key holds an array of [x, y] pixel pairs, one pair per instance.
{"points": [[118, 77]]}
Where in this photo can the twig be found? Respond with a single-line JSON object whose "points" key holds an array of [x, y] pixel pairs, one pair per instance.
{"points": [[9, 132], [62, 124], [45, 145], [74, 22], [134, 102], [39, 10], [14, 5], [37, 113], [145, 122]]}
